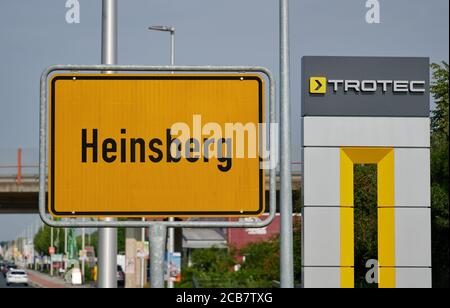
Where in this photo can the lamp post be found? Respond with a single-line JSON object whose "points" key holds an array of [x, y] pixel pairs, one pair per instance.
{"points": [[170, 30], [171, 231]]}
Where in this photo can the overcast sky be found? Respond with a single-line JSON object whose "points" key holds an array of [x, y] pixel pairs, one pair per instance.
{"points": [[34, 35]]}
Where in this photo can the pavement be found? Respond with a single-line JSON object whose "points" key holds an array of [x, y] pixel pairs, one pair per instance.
{"points": [[44, 281], [41, 281]]}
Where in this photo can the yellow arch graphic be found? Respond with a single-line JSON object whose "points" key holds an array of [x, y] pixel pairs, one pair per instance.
{"points": [[384, 158]]}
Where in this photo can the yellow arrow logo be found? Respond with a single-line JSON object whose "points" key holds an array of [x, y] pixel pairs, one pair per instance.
{"points": [[317, 85]]}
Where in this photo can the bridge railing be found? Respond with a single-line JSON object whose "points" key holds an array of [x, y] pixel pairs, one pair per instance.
{"points": [[23, 164], [19, 164]]}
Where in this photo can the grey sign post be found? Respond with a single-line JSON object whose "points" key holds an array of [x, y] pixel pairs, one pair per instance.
{"points": [[107, 237], [158, 236], [286, 232]]}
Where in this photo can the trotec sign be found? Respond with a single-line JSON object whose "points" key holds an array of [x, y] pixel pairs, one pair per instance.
{"points": [[360, 111], [365, 86], [318, 85], [155, 145]]}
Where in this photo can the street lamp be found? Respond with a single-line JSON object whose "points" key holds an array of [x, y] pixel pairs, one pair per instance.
{"points": [[170, 30], [171, 233]]}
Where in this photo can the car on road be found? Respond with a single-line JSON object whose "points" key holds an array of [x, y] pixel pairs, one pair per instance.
{"points": [[7, 268], [16, 276]]}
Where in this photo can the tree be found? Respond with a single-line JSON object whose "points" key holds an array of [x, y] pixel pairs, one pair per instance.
{"points": [[214, 267], [43, 238], [261, 264], [439, 176], [211, 268], [365, 221], [439, 89]]}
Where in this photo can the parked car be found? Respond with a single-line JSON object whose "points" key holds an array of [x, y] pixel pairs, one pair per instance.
{"points": [[120, 276], [7, 268], [16, 276]]}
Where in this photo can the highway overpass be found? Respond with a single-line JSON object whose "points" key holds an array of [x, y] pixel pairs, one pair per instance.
{"points": [[20, 195]]}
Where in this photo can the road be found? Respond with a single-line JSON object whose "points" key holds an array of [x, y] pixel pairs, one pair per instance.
{"points": [[3, 284]]}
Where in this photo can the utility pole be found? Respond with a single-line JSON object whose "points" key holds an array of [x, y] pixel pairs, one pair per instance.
{"points": [[107, 256], [286, 232], [65, 248], [38, 227], [29, 248], [143, 257], [51, 245], [83, 249]]}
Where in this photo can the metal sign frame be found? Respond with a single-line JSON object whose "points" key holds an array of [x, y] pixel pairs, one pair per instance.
{"points": [[82, 223]]}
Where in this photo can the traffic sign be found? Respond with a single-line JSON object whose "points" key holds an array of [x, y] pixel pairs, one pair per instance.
{"points": [[128, 145]]}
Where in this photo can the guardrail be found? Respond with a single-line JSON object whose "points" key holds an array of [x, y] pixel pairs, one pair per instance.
{"points": [[22, 165]]}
